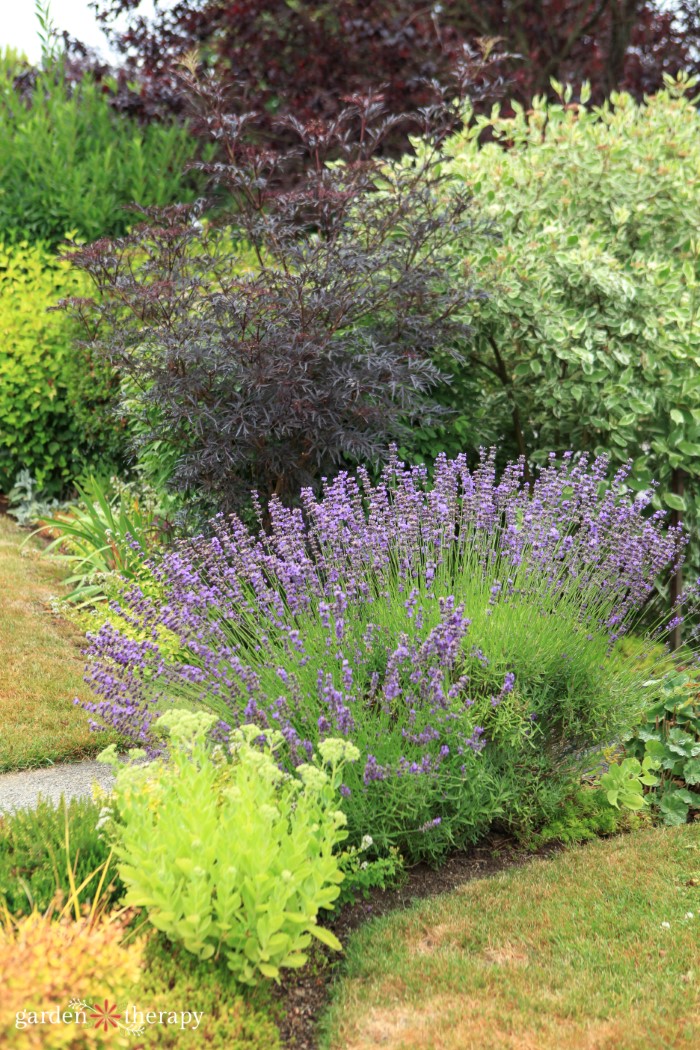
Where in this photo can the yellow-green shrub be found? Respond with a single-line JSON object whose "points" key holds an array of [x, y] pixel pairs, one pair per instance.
{"points": [[56, 403], [232, 859], [45, 964]]}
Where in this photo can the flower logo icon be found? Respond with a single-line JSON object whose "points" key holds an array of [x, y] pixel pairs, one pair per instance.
{"points": [[105, 1016]]}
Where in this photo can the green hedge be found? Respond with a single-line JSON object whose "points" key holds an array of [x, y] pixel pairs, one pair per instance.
{"points": [[69, 162], [57, 416]]}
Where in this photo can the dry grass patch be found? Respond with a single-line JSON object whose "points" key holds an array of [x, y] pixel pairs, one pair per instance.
{"points": [[42, 669], [567, 953], [443, 1025]]}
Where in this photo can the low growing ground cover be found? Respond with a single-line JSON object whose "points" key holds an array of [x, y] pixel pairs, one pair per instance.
{"points": [[596, 948], [42, 670]]}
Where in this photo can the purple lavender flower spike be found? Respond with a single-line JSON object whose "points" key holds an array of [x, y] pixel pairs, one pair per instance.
{"points": [[368, 611]]}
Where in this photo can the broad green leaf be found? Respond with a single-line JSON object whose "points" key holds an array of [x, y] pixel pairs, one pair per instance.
{"points": [[326, 937], [675, 502], [295, 961], [691, 771], [267, 970], [673, 809]]}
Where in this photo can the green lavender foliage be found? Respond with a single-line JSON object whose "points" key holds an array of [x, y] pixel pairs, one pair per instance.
{"points": [[464, 636]]}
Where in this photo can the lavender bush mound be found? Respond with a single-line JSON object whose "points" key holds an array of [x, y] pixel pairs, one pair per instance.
{"points": [[461, 633]]}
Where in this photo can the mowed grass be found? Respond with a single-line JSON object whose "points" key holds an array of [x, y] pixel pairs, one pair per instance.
{"points": [[41, 666], [568, 953]]}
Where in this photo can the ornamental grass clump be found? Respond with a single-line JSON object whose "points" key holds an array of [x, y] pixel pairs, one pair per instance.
{"points": [[462, 633]]}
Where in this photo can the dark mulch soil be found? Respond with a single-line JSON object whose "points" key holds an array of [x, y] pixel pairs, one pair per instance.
{"points": [[303, 995]]}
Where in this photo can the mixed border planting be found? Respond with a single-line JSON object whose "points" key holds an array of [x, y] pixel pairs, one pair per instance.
{"points": [[362, 451]]}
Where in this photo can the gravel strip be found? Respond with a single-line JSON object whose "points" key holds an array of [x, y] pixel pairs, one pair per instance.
{"points": [[19, 790]]}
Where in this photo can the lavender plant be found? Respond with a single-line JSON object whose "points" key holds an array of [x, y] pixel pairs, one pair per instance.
{"points": [[461, 633]]}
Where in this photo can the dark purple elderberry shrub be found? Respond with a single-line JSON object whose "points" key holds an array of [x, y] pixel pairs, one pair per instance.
{"points": [[289, 329]]}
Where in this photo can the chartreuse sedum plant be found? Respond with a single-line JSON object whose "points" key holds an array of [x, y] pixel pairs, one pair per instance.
{"points": [[461, 633], [229, 855]]}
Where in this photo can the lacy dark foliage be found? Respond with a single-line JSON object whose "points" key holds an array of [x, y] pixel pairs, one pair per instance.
{"points": [[292, 57], [293, 332]]}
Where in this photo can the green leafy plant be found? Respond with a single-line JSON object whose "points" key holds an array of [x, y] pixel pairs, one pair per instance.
{"points": [[625, 781], [670, 737], [584, 816], [69, 162], [229, 855], [589, 338], [461, 633], [231, 1018], [41, 845], [363, 872], [47, 33], [107, 532], [57, 405], [27, 505]]}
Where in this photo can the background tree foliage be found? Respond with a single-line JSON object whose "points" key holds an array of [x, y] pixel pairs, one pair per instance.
{"points": [[291, 56], [289, 331], [612, 44]]}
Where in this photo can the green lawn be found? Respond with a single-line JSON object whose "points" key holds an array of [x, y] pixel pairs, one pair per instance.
{"points": [[568, 953], [41, 664]]}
